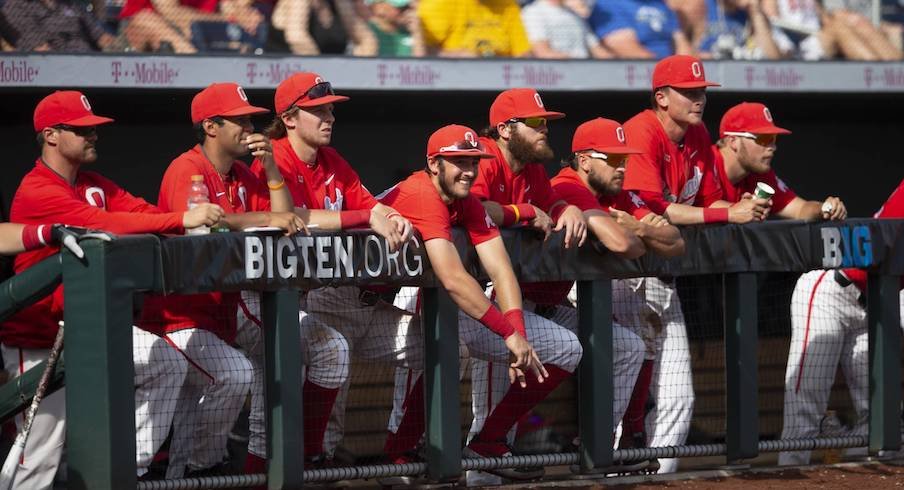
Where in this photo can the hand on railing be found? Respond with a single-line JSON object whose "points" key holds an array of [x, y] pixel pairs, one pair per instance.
{"points": [[70, 236]]}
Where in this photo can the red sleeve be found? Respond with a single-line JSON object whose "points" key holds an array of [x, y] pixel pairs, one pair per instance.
{"points": [[485, 175], [894, 206], [632, 203], [577, 194], [173, 194], [356, 195], [427, 213], [711, 186], [654, 201], [57, 205], [542, 192], [783, 194], [643, 172], [121, 201], [476, 220]]}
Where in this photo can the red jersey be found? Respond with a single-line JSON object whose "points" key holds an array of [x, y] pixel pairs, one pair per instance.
{"points": [[893, 208], [571, 188], [329, 183], [733, 192], [132, 7], [496, 182], [667, 172], [418, 200], [95, 202], [238, 192]]}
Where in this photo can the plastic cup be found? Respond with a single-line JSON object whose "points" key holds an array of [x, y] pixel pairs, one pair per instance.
{"points": [[763, 191]]}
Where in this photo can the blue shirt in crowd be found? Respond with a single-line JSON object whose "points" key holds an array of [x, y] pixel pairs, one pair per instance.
{"points": [[652, 20]]}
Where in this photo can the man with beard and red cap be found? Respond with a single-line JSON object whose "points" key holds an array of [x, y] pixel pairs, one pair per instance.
{"points": [[593, 181], [743, 158], [674, 164], [60, 189], [537, 353]]}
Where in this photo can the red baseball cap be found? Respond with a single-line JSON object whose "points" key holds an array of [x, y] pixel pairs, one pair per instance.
{"points": [[749, 117], [222, 99], [680, 71], [519, 103], [455, 141], [296, 90], [602, 135], [66, 107]]}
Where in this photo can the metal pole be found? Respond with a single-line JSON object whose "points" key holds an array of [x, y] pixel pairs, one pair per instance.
{"points": [[742, 422], [884, 324], [596, 392]]}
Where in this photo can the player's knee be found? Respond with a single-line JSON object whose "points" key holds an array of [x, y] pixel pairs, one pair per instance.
{"points": [[238, 375], [569, 351]]}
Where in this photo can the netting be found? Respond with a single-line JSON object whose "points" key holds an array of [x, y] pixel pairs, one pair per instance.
{"points": [[575, 29]]}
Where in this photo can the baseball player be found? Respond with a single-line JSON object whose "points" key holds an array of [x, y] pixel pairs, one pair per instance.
{"points": [[674, 164], [58, 189], [202, 326], [828, 326], [593, 182], [743, 156], [539, 353], [328, 194]]}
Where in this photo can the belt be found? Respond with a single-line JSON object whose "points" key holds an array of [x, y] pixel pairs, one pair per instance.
{"points": [[842, 279], [368, 297], [844, 282]]}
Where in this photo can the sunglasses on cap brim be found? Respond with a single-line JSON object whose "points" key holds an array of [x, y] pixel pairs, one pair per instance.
{"points": [[318, 91], [614, 160], [760, 139]]}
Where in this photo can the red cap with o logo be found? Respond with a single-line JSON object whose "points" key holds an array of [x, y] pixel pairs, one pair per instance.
{"points": [[66, 107], [455, 141], [222, 99], [749, 117], [602, 135], [519, 103], [305, 89], [680, 71]]}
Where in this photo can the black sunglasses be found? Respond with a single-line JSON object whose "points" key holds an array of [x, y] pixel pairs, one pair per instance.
{"points": [[318, 91], [83, 131]]}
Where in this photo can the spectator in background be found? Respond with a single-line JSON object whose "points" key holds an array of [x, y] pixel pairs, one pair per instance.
{"points": [[151, 23], [557, 31], [397, 28], [314, 27], [814, 33], [54, 25], [737, 29], [473, 28], [639, 28], [8, 34]]}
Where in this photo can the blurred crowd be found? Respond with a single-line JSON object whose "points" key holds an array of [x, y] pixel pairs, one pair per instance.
{"points": [[552, 29]]}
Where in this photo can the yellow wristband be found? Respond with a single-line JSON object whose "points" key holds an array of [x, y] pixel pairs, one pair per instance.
{"points": [[282, 183], [517, 213]]}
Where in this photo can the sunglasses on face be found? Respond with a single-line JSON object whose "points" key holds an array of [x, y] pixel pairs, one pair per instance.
{"points": [[612, 160], [83, 131], [318, 91], [531, 122], [760, 139]]}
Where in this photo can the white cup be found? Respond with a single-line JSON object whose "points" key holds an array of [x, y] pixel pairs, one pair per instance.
{"points": [[763, 191]]}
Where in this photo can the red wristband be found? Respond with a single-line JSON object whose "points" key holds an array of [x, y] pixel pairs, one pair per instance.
{"points": [[515, 317], [526, 211], [494, 320], [556, 211], [715, 215], [36, 236], [354, 219], [508, 216]]}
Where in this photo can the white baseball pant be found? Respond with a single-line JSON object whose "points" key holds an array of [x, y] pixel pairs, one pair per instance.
{"points": [[828, 326], [650, 308], [218, 380], [159, 373], [325, 356]]}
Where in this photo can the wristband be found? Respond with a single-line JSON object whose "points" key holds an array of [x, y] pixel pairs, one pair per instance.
{"points": [[36, 236], [526, 212], [715, 215], [515, 317], [494, 320], [282, 183], [509, 215], [354, 219]]}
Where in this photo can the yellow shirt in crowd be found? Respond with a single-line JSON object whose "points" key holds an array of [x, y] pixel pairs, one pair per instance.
{"points": [[483, 27]]}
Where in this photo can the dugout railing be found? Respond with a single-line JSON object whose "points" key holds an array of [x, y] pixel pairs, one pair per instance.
{"points": [[99, 309]]}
